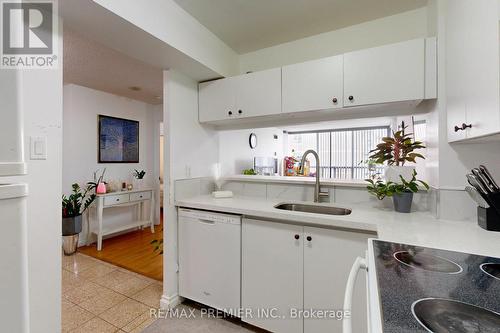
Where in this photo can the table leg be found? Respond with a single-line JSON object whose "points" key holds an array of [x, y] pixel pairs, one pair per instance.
{"points": [[99, 222], [152, 212]]}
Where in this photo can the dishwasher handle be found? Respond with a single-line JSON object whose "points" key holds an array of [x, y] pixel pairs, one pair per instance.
{"points": [[359, 263], [206, 221]]}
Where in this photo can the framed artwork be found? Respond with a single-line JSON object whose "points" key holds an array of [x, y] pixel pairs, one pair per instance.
{"points": [[118, 140]]}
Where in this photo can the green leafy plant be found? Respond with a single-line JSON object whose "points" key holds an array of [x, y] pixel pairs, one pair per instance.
{"points": [[397, 150], [408, 186], [158, 245], [249, 172], [379, 188], [78, 201], [382, 189], [139, 174]]}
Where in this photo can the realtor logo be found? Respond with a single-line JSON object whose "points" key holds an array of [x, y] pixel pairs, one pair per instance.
{"points": [[28, 30]]}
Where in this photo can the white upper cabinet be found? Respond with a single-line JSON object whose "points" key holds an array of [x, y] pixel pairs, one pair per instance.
{"points": [[385, 74], [217, 100], [402, 72], [473, 69], [248, 95], [313, 85], [259, 93]]}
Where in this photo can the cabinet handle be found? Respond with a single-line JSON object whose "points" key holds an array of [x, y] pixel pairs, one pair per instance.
{"points": [[334, 100], [240, 112], [117, 199], [351, 98], [463, 127], [230, 113], [309, 238], [296, 236]]}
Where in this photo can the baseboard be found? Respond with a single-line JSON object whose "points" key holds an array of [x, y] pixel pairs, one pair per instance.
{"points": [[170, 302]]}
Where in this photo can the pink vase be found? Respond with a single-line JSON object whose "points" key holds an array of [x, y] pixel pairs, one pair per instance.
{"points": [[101, 188]]}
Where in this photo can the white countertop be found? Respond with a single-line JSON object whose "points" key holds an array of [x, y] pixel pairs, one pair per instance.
{"points": [[297, 180], [415, 228]]}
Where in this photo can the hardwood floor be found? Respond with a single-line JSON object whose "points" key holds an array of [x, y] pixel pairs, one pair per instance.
{"points": [[131, 251]]}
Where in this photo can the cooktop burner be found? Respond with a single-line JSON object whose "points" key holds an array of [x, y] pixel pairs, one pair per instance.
{"points": [[444, 315], [427, 262], [492, 269]]}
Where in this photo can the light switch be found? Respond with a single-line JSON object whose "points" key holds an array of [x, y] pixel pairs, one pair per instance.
{"points": [[38, 148]]}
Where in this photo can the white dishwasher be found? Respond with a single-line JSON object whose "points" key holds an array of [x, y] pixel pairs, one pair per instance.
{"points": [[210, 258]]}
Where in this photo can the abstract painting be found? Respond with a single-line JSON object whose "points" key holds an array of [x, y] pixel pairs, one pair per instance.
{"points": [[118, 140]]}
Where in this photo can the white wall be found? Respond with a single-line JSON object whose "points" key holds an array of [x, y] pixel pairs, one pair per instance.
{"points": [[387, 30], [190, 151], [235, 154], [80, 141], [41, 94]]}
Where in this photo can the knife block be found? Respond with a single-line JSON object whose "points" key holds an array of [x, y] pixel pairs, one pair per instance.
{"points": [[488, 218]]}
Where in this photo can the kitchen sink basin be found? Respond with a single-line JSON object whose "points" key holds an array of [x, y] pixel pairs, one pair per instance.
{"points": [[444, 315], [314, 209]]}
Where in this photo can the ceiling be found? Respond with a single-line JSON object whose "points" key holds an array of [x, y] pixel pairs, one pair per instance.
{"points": [[91, 64], [249, 25]]}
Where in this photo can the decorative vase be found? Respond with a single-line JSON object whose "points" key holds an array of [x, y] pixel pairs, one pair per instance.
{"points": [[101, 188], [138, 183], [402, 202], [392, 173], [71, 228]]}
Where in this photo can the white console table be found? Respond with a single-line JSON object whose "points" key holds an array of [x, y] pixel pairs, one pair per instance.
{"points": [[124, 198]]}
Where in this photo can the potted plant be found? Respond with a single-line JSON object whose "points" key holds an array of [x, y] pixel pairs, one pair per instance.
{"points": [[396, 151], [401, 193], [139, 178], [73, 207], [98, 185]]}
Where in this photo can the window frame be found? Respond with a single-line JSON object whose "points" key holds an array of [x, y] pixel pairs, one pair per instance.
{"points": [[332, 130]]}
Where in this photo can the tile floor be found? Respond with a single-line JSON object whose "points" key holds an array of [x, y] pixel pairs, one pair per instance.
{"points": [[98, 297]]}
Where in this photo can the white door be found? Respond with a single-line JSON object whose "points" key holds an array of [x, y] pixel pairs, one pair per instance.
{"points": [[259, 93], [328, 257], [385, 74], [313, 85], [272, 274], [217, 100]]}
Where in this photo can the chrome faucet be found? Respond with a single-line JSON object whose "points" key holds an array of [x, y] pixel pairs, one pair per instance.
{"points": [[317, 188]]}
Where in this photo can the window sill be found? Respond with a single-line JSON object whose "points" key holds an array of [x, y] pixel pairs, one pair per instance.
{"points": [[297, 180]]}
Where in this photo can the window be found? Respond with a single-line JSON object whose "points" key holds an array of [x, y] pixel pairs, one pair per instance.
{"points": [[341, 151]]}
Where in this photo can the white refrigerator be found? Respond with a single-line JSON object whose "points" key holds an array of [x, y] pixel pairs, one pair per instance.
{"points": [[14, 311]]}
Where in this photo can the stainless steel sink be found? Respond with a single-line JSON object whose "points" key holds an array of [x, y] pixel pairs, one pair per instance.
{"points": [[314, 209]]}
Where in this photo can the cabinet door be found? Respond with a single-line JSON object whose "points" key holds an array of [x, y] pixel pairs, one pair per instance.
{"points": [[313, 85], [385, 74], [328, 258], [482, 67], [259, 93], [217, 99], [455, 65], [272, 274]]}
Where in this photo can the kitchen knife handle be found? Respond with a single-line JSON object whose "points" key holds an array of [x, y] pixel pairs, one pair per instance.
{"points": [[490, 178]]}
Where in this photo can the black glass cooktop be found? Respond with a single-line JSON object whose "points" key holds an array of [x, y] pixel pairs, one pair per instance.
{"points": [[430, 290]]}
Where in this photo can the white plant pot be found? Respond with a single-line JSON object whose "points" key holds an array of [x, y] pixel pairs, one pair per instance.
{"points": [[392, 173], [138, 184]]}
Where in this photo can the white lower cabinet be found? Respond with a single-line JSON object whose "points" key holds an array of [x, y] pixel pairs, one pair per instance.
{"points": [[328, 257], [289, 269], [272, 274]]}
